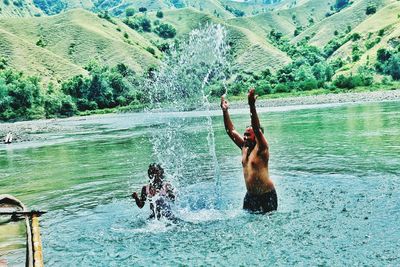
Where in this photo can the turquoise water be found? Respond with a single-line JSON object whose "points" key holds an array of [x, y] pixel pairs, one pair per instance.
{"points": [[336, 170]]}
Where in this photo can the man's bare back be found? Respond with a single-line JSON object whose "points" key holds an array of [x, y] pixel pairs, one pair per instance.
{"points": [[261, 194]]}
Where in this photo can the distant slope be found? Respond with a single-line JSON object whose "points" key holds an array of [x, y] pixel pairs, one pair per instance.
{"points": [[385, 20], [33, 60], [286, 20], [68, 42], [263, 24], [251, 50], [322, 32]]}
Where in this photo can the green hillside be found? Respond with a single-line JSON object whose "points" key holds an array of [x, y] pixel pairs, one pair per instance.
{"points": [[348, 18], [381, 30], [68, 42], [251, 50], [286, 46]]}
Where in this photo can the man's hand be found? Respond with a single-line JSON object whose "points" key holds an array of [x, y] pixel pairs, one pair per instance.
{"points": [[135, 195], [252, 97], [224, 103]]}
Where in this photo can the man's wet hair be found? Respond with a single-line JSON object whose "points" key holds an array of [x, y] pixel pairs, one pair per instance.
{"points": [[155, 167], [261, 128]]}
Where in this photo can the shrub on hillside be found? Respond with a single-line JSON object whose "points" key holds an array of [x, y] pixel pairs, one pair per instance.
{"points": [[362, 78], [129, 12], [3, 63], [355, 37], [371, 9], [281, 88], [340, 4], [106, 16], [234, 11], [142, 9], [18, 3], [138, 23], [263, 88], [165, 30], [159, 14]]}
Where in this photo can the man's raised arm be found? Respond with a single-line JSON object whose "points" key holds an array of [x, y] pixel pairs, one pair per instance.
{"points": [[255, 122], [230, 130]]}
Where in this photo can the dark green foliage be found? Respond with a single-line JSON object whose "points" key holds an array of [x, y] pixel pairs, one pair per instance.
{"points": [[41, 42], [126, 35], [142, 9], [381, 32], [139, 23], [388, 63], [20, 97], [234, 11], [162, 46], [355, 37], [340, 4], [282, 88], [165, 30], [151, 50], [57, 104], [371, 9], [371, 43], [297, 31], [334, 45], [263, 88], [383, 55], [18, 3], [3, 63], [362, 78], [159, 14], [356, 53], [105, 88], [6, 2], [129, 12], [105, 15], [344, 82]]}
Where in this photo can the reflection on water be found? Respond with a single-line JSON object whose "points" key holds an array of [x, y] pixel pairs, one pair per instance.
{"points": [[336, 172]]}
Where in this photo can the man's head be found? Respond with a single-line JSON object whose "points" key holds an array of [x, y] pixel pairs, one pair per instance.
{"points": [[156, 173], [249, 136]]}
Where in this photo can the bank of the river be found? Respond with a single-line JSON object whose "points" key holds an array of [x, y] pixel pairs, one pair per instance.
{"points": [[350, 97], [26, 130]]}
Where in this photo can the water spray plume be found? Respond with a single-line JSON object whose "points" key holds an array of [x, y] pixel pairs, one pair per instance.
{"points": [[185, 81]]}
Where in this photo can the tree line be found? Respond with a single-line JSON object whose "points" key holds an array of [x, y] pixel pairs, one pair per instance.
{"points": [[24, 97]]}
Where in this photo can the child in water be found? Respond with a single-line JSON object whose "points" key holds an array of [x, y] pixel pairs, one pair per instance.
{"points": [[159, 193]]}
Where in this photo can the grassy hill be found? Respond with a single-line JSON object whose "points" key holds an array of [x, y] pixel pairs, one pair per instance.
{"points": [[60, 46], [380, 30], [348, 18], [251, 50]]}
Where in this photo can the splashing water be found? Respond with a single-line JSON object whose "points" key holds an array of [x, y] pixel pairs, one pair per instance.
{"points": [[185, 81]]}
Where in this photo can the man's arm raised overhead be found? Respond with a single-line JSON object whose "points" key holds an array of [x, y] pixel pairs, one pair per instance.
{"points": [[255, 122], [230, 129]]}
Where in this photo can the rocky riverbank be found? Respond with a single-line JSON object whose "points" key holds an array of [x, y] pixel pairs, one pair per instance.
{"points": [[375, 96], [27, 131]]}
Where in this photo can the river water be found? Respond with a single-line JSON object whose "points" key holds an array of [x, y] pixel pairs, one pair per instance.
{"points": [[336, 169]]}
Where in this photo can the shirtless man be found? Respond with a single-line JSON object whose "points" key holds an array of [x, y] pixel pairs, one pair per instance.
{"points": [[261, 195], [158, 192]]}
